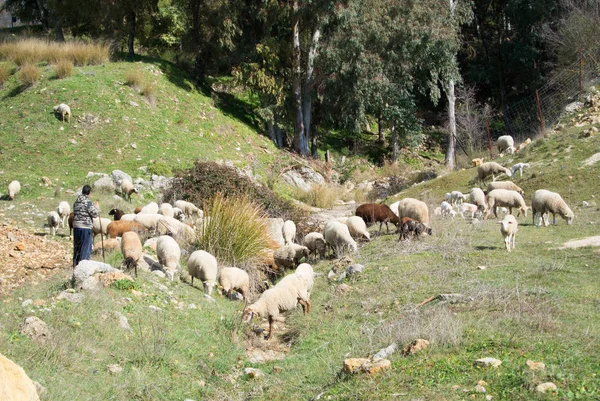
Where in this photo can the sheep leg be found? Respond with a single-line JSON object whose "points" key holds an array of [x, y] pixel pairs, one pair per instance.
{"points": [[553, 218], [268, 336]]}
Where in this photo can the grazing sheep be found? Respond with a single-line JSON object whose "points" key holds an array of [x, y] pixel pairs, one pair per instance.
{"points": [[506, 142], [447, 198], [338, 238], [307, 271], [63, 210], [413, 208], [116, 213], [519, 167], [131, 248], [477, 197], [100, 225], [181, 232], [409, 225], [457, 197], [150, 208], [168, 253], [71, 221], [64, 111], [53, 221], [127, 189], [203, 266], [491, 168], [109, 245], [288, 256], [13, 189], [546, 202], [477, 161], [178, 214], [148, 220], [505, 185], [289, 232], [118, 228], [377, 212], [358, 228], [467, 209], [315, 242], [447, 210], [234, 278], [509, 227], [188, 208], [506, 198], [284, 296], [166, 210]]}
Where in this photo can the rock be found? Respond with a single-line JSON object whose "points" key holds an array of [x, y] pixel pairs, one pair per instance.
{"points": [[303, 178], [133, 146], [71, 297], [15, 385], [482, 267], [454, 298], [46, 181], [36, 329], [114, 369], [209, 298], [118, 176], [487, 362], [545, 387], [253, 373], [123, 322], [87, 268], [415, 346], [536, 365], [133, 104], [356, 365], [155, 308], [355, 268], [385, 352], [585, 204], [91, 284], [342, 289], [105, 184], [256, 355], [26, 303], [480, 389], [11, 237], [20, 246], [160, 182], [275, 230], [571, 107]]}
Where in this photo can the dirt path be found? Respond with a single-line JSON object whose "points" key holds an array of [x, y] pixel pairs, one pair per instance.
{"points": [[578, 243]]}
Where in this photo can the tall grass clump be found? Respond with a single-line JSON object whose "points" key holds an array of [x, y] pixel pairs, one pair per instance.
{"points": [[321, 196], [5, 72], [134, 79], [236, 232], [28, 51], [29, 74], [63, 69]]}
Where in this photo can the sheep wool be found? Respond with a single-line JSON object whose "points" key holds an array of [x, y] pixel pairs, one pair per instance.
{"points": [[63, 210], [505, 185], [188, 208], [307, 271], [203, 266], [131, 248], [13, 189], [358, 228], [337, 236], [166, 210], [413, 208], [100, 225], [457, 197], [127, 189], [169, 254], [519, 167], [288, 256], [53, 221], [118, 228], [64, 111], [150, 208], [546, 202], [289, 231], [234, 278], [509, 227], [477, 197], [446, 209], [491, 168], [506, 198], [315, 242], [506, 143]]}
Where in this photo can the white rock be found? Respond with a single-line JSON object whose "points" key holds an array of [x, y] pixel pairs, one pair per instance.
{"points": [[485, 362], [545, 387]]}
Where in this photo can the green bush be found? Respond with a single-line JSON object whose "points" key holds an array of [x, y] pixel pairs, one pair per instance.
{"points": [[126, 285], [160, 168]]}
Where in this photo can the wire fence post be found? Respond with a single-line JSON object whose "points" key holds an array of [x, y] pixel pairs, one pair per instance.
{"points": [[487, 127], [540, 115]]}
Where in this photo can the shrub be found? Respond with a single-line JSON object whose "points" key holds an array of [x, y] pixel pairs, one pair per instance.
{"points": [[126, 285], [5, 72], [160, 168], [148, 89], [236, 232], [63, 68], [29, 74], [134, 78]]}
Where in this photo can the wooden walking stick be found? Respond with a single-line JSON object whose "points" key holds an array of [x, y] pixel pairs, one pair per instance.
{"points": [[102, 238]]}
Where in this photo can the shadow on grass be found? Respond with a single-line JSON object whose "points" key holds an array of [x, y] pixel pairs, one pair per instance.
{"points": [[173, 73], [15, 91], [485, 247]]}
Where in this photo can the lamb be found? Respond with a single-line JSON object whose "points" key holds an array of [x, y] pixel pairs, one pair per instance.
{"points": [[519, 167], [377, 212], [203, 266], [315, 242], [505, 185], [116, 213], [231, 278], [166, 210], [337, 236], [477, 197], [506, 142], [467, 208], [413, 208], [284, 296], [127, 189], [168, 253], [188, 208], [150, 208], [447, 198], [491, 168], [509, 227], [358, 228], [409, 225], [457, 197], [13, 189], [477, 161], [118, 228], [447, 210], [53, 221], [64, 111], [288, 256], [63, 210], [131, 248], [289, 232], [545, 202], [100, 225], [507, 198]]}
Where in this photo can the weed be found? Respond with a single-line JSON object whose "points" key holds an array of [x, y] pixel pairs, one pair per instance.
{"points": [[126, 285], [63, 68], [29, 74], [134, 79], [148, 89], [160, 168], [321, 196]]}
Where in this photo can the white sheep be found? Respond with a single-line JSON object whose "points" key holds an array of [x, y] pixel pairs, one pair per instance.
{"points": [[413, 208], [284, 296], [13, 189], [506, 198], [358, 228], [203, 266], [307, 271], [509, 227], [127, 189], [491, 168], [467, 209], [231, 278], [181, 232], [188, 208], [337, 237], [289, 232], [64, 111], [477, 197], [178, 214], [63, 210], [169, 254], [148, 220], [131, 248], [506, 142], [315, 242], [150, 208], [447, 198], [447, 210], [546, 202], [288, 256], [519, 167], [505, 185], [166, 210], [100, 225], [53, 221], [457, 197]]}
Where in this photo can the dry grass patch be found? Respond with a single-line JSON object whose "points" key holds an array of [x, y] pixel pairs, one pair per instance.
{"points": [[134, 79], [63, 69], [321, 196], [29, 74], [28, 51], [5, 72]]}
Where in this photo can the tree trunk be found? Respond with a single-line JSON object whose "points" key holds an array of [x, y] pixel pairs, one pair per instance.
{"points": [[395, 148], [380, 137], [43, 15], [308, 86], [300, 139], [58, 22], [450, 152], [130, 33]]}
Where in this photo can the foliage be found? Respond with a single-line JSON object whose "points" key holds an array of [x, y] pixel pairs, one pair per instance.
{"points": [[134, 78], [126, 285], [159, 167], [63, 69], [29, 74], [236, 232]]}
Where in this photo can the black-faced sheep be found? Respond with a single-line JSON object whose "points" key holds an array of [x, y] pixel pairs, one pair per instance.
{"points": [[409, 225], [116, 213], [545, 202], [377, 213]]}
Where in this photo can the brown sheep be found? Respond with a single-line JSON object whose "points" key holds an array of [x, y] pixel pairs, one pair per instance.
{"points": [[409, 225], [116, 213], [117, 228], [377, 212]]}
